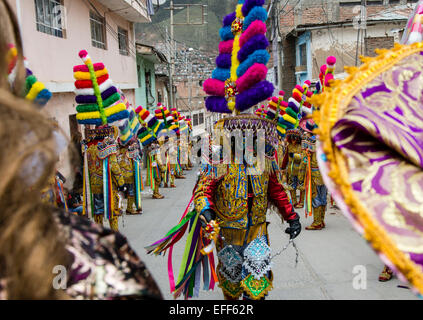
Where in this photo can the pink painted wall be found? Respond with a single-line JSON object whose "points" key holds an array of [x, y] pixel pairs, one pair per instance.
{"points": [[52, 58]]}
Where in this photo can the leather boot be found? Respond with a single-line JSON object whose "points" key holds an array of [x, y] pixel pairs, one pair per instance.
{"points": [[300, 204], [131, 208], [317, 216], [323, 216]]}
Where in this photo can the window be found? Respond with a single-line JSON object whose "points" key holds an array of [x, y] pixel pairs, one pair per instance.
{"points": [[195, 120], [123, 41], [98, 30], [303, 54], [49, 16], [200, 118]]}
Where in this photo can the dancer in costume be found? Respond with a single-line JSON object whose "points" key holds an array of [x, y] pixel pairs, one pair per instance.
{"points": [[293, 166], [104, 169], [130, 159], [230, 201], [370, 154], [179, 172], [126, 158], [102, 105], [148, 135], [315, 189], [169, 144]]}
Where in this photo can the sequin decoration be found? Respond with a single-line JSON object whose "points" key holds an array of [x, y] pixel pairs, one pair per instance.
{"points": [[230, 264], [256, 289], [237, 25], [257, 258]]}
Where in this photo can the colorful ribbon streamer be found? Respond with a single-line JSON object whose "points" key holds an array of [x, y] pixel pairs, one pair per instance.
{"points": [[138, 184], [307, 186]]}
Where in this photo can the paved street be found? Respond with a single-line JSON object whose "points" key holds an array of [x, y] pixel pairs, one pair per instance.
{"points": [[326, 261]]}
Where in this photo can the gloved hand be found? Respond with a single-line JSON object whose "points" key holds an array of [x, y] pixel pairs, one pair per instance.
{"points": [[122, 188], [206, 216], [294, 228]]}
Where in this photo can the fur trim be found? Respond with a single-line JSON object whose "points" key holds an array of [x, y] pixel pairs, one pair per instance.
{"points": [[254, 75], [256, 27], [214, 87], [259, 92], [217, 104], [257, 42], [226, 46], [259, 56], [250, 4]]}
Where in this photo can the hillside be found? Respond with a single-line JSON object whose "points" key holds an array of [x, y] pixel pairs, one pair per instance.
{"points": [[204, 38]]}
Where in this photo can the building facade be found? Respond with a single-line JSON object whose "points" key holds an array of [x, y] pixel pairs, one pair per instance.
{"points": [[54, 31], [304, 33], [146, 94]]}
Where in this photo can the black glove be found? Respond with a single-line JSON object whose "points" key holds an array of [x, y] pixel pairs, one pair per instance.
{"points": [[294, 228], [209, 215], [122, 188]]}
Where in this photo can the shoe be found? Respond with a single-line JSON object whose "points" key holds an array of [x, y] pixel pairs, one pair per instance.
{"points": [[172, 186], [165, 186], [300, 204], [315, 227], [158, 196], [323, 212], [181, 177], [317, 222], [131, 213], [386, 274]]}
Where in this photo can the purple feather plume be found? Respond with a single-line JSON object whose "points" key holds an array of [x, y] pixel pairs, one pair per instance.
{"points": [[227, 21], [257, 42], [249, 4], [217, 104], [258, 93], [93, 99], [224, 61]]}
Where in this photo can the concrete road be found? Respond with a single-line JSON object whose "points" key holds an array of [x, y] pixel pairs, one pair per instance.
{"points": [[327, 258]]}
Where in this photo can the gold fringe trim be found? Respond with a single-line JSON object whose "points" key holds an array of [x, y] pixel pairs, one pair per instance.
{"points": [[333, 103]]}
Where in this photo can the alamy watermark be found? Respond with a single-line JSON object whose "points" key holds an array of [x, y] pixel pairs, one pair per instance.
{"points": [[360, 277], [60, 281]]}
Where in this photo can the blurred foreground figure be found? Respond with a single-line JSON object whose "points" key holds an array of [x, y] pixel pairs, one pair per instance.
{"points": [[38, 241], [370, 152]]}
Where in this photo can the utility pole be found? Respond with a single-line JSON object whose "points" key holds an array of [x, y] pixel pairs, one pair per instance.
{"points": [[172, 56], [172, 37], [190, 84]]}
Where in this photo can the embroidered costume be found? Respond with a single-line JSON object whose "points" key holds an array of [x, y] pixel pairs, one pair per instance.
{"points": [[100, 104], [293, 166], [148, 136], [239, 173], [129, 161], [105, 179]]}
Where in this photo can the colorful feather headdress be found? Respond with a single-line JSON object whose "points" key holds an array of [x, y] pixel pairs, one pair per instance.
{"points": [[238, 83], [129, 128], [35, 90], [99, 102], [283, 114], [166, 117], [371, 155], [151, 128]]}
